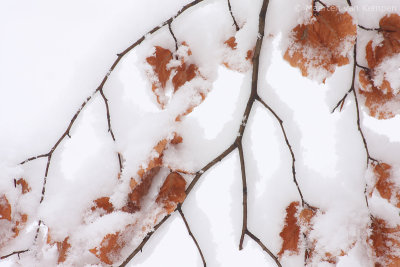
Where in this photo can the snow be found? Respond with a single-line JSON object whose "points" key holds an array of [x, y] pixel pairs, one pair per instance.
{"points": [[55, 55]]}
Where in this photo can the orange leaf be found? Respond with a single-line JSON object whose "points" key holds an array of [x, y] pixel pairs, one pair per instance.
{"points": [[62, 248], [183, 74], [159, 62], [231, 42], [385, 243], [172, 191], [385, 184], [103, 203], [321, 43], [291, 231], [110, 247], [24, 185], [5, 209], [378, 98], [141, 190]]}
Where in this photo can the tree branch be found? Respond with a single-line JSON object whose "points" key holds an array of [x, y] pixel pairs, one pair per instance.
{"points": [[173, 36], [244, 188], [14, 253], [191, 234], [233, 17], [303, 202]]}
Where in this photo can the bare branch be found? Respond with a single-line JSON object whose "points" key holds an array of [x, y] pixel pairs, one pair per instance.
{"points": [[191, 235], [14, 253], [233, 17], [173, 36], [244, 188], [374, 29], [289, 147], [342, 100]]}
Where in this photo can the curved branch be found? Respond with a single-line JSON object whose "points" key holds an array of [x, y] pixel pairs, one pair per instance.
{"points": [[303, 202], [191, 235]]}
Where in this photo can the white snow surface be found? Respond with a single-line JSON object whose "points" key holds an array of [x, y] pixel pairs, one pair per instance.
{"points": [[55, 54]]}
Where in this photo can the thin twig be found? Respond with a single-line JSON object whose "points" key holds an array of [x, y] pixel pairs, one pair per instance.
{"points": [[173, 36], [258, 241], [374, 29], [191, 235], [14, 253], [233, 17], [244, 188], [303, 202], [362, 67], [105, 100], [342, 100]]}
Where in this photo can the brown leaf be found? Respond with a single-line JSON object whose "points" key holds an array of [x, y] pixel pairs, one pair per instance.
{"points": [[141, 190], [231, 42], [385, 243], [183, 74], [320, 44], [5, 209], [379, 97], [110, 248], [385, 184], [24, 185], [159, 61], [103, 203], [63, 248], [172, 191], [291, 231]]}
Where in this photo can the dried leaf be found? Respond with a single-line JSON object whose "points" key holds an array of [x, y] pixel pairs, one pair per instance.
{"points": [[141, 190], [62, 248], [159, 61], [172, 191], [385, 184], [291, 231], [183, 74], [231, 42], [24, 185], [378, 92], [103, 203], [5, 209], [322, 44], [110, 247], [385, 243]]}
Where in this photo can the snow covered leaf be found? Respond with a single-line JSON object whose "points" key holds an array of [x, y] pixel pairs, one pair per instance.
{"points": [[164, 66], [172, 191], [62, 247], [386, 184], [318, 47], [104, 204], [380, 84], [184, 74], [24, 185], [5, 208], [385, 243], [110, 248], [235, 58]]}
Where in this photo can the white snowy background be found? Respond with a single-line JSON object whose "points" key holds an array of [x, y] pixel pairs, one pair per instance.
{"points": [[53, 54]]}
